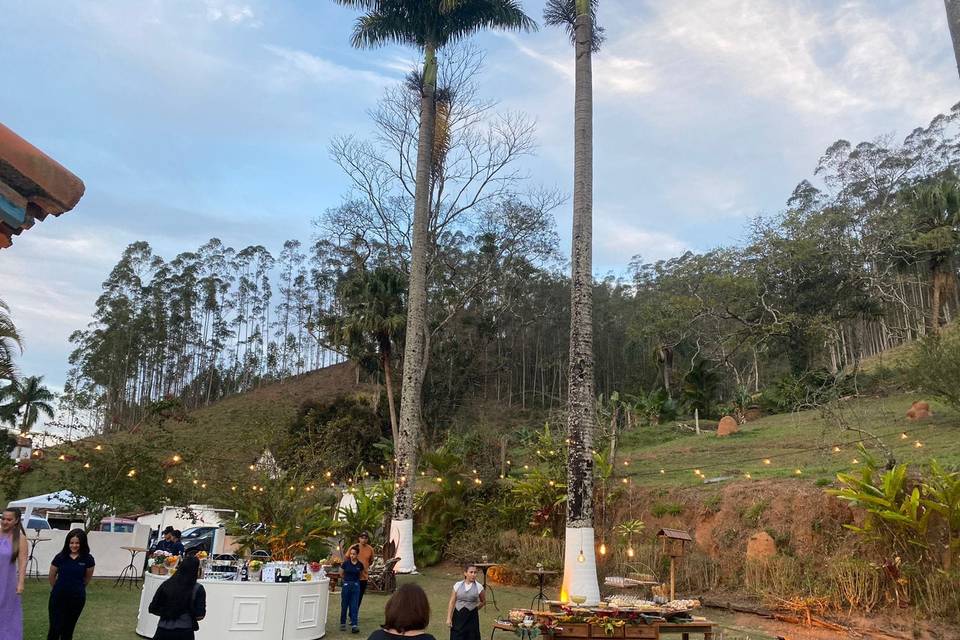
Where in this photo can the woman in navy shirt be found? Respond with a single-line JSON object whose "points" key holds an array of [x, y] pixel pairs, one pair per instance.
{"points": [[70, 572], [350, 590]]}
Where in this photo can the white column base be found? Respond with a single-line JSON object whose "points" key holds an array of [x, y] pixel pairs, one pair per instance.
{"points": [[401, 534], [580, 578]]}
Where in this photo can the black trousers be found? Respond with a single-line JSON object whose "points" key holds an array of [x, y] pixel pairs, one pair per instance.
{"points": [[173, 634], [64, 610], [363, 590]]}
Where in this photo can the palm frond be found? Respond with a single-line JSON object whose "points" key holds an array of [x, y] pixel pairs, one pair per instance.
{"points": [[564, 13], [463, 18]]}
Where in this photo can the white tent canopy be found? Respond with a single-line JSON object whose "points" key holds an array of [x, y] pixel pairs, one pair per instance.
{"points": [[56, 500]]}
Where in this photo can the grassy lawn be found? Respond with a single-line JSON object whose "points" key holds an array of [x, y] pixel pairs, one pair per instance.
{"points": [[783, 438], [112, 612]]}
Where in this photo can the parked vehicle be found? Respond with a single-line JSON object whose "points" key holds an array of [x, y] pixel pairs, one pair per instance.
{"points": [[196, 539], [117, 525], [38, 523]]}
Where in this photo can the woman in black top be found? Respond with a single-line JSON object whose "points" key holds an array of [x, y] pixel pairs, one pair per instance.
{"points": [[180, 603], [407, 615], [70, 572]]}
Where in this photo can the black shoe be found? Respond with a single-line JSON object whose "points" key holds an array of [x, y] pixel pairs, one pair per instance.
{"points": [[343, 627], [354, 629]]}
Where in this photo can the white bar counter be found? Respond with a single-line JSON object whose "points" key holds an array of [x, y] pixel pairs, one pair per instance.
{"points": [[251, 610]]}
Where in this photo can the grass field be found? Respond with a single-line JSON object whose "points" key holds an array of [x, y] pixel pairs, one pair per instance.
{"points": [[111, 613], [802, 440]]}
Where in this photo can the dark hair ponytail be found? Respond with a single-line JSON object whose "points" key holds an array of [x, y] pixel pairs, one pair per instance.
{"points": [[17, 531]]}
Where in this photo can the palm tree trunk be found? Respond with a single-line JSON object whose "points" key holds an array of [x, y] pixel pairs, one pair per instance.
{"points": [[953, 21], [385, 361], [414, 355], [579, 567]]}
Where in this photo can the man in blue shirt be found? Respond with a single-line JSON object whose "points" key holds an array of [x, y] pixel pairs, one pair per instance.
{"points": [[177, 549], [166, 542]]}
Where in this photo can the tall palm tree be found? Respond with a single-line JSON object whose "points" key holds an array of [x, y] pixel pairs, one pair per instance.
{"points": [[428, 25], [373, 318], [579, 566], [30, 397], [9, 342], [953, 21]]}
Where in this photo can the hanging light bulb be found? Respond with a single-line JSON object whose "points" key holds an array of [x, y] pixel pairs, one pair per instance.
{"points": [[630, 552], [603, 549], [766, 461], [581, 557], [904, 436], [836, 449]]}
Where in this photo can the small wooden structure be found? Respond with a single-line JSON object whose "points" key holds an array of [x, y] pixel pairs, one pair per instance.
{"points": [[674, 545]]}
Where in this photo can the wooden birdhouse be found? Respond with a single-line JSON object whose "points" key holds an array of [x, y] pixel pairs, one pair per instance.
{"points": [[674, 542], [674, 545]]}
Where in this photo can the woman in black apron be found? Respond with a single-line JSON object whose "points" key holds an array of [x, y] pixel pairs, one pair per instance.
{"points": [[463, 611]]}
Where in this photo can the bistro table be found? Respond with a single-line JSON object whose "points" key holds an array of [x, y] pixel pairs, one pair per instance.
{"points": [[482, 568], [33, 567], [541, 598], [129, 574]]}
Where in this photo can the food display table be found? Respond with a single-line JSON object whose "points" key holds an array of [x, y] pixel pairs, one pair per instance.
{"points": [[250, 610], [600, 622]]}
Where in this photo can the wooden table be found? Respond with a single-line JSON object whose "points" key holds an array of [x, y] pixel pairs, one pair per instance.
{"points": [[652, 631]]}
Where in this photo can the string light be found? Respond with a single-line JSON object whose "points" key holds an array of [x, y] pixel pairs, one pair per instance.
{"points": [[854, 461], [663, 471], [62, 457], [603, 549], [203, 486], [836, 449], [626, 481], [904, 436], [233, 487], [169, 480], [747, 476], [253, 467], [917, 444], [630, 552], [176, 457], [798, 471], [766, 461], [131, 473], [626, 463], [86, 465], [99, 447]]}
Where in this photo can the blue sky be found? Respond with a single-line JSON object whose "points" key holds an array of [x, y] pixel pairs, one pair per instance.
{"points": [[189, 119]]}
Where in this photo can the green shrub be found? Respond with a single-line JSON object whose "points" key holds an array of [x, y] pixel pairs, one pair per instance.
{"points": [[666, 509], [935, 368]]}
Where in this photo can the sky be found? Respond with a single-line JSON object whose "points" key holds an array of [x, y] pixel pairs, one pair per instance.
{"points": [[192, 119]]}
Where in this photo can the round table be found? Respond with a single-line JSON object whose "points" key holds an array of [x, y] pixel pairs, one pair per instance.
{"points": [[541, 597], [129, 573], [482, 568], [33, 568]]}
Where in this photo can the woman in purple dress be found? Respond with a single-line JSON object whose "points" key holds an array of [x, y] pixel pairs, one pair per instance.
{"points": [[13, 571]]}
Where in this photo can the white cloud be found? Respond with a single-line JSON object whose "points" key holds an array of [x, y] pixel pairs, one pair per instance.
{"points": [[237, 14], [296, 65], [617, 240]]}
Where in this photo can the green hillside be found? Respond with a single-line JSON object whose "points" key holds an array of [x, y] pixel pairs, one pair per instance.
{"points": [[802, 440]]}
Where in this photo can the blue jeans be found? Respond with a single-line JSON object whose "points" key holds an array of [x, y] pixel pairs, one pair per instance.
{"points": [[350, 598]]}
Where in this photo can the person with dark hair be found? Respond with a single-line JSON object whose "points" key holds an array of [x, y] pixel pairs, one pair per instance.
{"points": [[165, 543], [406, 615], [70, 573], [365, 555], [13, 572], [463, 611], [177, 546], [350, 572], [180, 603]]}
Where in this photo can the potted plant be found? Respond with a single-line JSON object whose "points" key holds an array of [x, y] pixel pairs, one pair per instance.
{"points": [[158, 561]]}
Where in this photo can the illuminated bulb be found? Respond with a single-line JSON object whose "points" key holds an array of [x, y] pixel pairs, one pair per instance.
{"points": [[328, 474], [62, 457], [626, 463], [836, 449], [474, 472], [630, 551], [169, 480], [291, 488], [526, 466], [580, 556], [261, 489], [508, 462], [233, 488], [479, 481], [86, 465], [177, 458], [626, 481], [551, 483], [603, 549], [663, 470], [196, 481], [253, 467], [797, 471], [917, 444], [99, 447], [766, 461], [538, 451], [254, 487], [696, 472], [439, 479], [203, 486], [404, 479], [552, 452], [854, 461], [423, 473], [501, 476], [131, 473], [748, 476], [904, 436], [458, 483], [333, 485]]}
